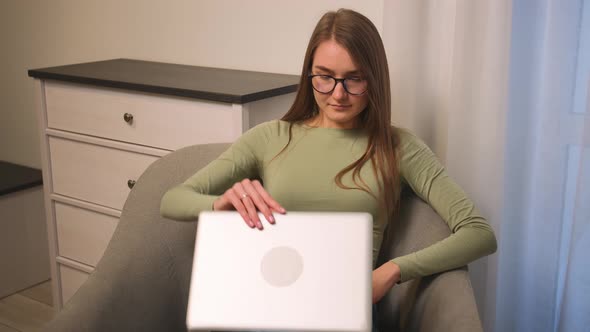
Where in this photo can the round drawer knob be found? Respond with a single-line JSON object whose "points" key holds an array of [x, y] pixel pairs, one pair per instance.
{"points": [[128, 117], [130, 184]]}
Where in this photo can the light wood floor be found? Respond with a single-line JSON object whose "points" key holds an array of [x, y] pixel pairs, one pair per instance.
{"points": [[27, 311]]}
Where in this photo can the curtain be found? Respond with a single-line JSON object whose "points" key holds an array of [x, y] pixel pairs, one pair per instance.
{"points": [[499, 90], [448, 64], [544, 278]]}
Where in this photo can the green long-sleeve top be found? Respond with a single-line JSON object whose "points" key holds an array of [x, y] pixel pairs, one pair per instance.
{"points": [[302, 177]]}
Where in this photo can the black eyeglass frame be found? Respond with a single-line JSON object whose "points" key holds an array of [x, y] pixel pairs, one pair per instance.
{"points": [[336, 81]]}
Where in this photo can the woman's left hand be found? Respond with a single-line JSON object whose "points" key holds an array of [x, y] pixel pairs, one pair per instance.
{"points": [[384, 277]]}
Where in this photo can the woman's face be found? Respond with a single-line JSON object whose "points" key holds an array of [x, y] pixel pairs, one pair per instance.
{"points": [[337, 109]]}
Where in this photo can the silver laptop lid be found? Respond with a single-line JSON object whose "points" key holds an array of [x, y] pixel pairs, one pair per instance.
{"points": [[312, 271]]}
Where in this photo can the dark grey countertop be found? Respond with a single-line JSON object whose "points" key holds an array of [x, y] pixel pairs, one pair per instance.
{"points": [[14, 178], [215, 84]]}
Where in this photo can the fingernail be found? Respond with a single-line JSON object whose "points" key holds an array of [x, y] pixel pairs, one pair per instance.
{"points": [[259, 225], [283, 210], [271, 219]]}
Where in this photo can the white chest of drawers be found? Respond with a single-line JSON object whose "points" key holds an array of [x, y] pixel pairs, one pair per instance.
{"points": [[102, 125]]}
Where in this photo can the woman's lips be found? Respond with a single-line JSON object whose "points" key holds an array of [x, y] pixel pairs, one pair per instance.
{"points": [[339, 107]]}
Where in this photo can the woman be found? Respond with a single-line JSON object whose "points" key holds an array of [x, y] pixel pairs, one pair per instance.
{"points": [[335, 150]]}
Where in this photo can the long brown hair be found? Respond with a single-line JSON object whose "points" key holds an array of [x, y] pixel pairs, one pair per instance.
{"points": [[360, 38]]}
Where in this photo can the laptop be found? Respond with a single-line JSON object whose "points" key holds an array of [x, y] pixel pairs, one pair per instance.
{"points": [[311, 271]]}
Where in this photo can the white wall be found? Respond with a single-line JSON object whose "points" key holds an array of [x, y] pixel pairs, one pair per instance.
{"points": [[260, 35]]}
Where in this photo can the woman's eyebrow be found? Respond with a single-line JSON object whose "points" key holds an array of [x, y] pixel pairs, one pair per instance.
{"points": [[331, 72]]}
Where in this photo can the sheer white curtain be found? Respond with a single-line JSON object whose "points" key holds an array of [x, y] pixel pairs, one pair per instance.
{"points": [[449, 71], [499, 90], [544, 278]]}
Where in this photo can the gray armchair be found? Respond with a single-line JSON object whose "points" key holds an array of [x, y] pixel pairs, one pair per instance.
{"points": [[142, 281]]}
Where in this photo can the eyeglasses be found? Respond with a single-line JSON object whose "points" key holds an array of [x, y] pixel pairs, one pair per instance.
{"points": [[326, 84]]}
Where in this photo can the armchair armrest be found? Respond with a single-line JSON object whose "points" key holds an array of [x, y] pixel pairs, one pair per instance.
{"points": [[142, 281], [440, 302]]}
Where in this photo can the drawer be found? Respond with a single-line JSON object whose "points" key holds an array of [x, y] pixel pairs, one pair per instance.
{"points": [[83, 235], [94, 173], [158, 121], [71, 280]]}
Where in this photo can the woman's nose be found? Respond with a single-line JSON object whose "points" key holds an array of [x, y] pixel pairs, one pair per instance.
{"points": [[339, 91]]}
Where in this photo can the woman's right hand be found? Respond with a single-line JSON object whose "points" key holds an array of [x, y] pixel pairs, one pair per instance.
{"points": [[248, 197]]}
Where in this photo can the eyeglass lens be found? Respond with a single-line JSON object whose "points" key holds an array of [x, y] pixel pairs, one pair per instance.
{"points": [[326, 84]]}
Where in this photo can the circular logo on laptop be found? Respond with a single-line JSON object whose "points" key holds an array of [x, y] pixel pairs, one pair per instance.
{"points": [[281, 266]]}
